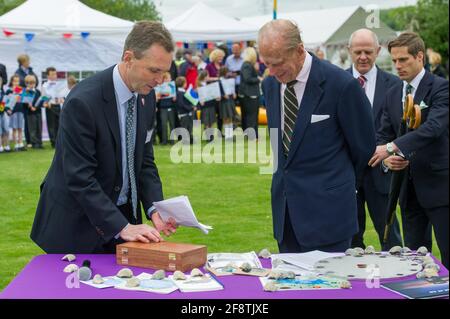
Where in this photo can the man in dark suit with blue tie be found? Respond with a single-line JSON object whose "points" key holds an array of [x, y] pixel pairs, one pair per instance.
{"points": [[103, 168], [326, 136], [363, 47], [422, 152]]}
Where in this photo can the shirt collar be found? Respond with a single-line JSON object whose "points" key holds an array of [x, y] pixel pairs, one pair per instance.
{"points": [[123, 93], [371, 75], [304, 72], [416, 81]]}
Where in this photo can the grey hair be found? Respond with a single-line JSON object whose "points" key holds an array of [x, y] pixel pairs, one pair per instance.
{"points": [[287, 30], [374, 36]]}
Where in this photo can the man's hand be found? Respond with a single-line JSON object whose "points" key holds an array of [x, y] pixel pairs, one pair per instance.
{"points": [[167, 228], [143, 233], [395, 163], [379, 155]]}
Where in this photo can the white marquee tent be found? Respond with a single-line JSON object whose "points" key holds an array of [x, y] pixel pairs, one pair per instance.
{"points": [[202, 23], [46, 21]]}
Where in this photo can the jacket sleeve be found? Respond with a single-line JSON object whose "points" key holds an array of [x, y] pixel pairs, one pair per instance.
{"points": [[248, 74], [435, 125], [386, 132]]}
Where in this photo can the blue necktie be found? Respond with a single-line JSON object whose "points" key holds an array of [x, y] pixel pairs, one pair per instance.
{"points": [[130, 144]]}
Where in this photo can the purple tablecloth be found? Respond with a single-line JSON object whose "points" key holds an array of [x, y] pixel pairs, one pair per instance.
{"points": [[43, 278]]}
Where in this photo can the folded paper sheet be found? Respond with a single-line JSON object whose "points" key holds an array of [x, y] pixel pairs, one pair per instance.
{"points": [[180, 209]]}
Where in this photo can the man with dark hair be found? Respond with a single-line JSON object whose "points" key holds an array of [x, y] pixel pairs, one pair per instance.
{"points": [[103, 170], [3, 76], [422, 152]]}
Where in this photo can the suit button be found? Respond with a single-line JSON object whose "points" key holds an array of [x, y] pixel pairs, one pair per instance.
{"points": [[117, 189]]}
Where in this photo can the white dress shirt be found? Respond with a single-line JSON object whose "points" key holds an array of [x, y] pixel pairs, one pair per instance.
{"points": [[371, 82], [414, 83], [299, 87]]}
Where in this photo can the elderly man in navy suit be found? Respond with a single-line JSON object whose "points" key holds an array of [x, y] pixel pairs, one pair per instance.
{"points": [[422, 152], [326, 136], [103, 172], [363, 47]]}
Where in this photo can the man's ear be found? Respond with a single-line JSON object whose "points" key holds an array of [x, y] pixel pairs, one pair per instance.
{"points": [[128, 55]]}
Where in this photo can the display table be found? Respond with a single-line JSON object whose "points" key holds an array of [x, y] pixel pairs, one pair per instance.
{"points": [[43, 278]]}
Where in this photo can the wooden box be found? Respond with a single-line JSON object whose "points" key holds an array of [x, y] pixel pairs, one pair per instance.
{"points": [[164, 255]]}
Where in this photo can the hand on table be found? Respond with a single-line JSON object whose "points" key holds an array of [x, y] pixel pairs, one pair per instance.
{"points": [[143, 233]]}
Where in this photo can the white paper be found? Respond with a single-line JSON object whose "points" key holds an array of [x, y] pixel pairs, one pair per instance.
{"points": [[220, 260], [195, 284], [180, 209], [229, 86], [305, 260], [317, 118], [209, 92], [110, 281], [166, 89], [164, 286]]}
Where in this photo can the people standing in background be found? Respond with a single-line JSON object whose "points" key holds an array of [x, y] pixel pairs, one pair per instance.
{"points": [[227, 105], [4, 127], [24, 70], [435, 65], [184, 108], [320, 54], [3, 76], [53, 106], [234, 63], [167, 112], [188, 69], [249, 91], [34, 113], [373, 190], [216, 59], [208, 113], [17, 120]]}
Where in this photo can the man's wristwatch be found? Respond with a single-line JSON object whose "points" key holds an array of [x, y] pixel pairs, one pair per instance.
{"points": [[390, 148]]}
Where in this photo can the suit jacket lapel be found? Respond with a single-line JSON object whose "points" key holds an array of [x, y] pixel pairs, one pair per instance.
{"points": [[141, 131], [111, 115], [424, 87], [380, 88], [313, 94]]}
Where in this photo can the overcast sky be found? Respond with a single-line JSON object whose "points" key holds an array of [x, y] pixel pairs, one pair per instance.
{"points": [[243, 8]]}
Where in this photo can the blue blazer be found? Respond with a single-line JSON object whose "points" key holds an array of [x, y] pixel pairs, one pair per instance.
{"points": [[384, 82], [426, 147], [317, 179]]}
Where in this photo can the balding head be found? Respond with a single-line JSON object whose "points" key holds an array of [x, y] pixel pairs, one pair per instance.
{"points": [[281, 49], [363, 47]]}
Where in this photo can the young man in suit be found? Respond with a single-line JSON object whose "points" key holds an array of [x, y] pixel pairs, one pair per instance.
{"points": [[103, 169], [363, 47], [326, 137], [422, 152]]}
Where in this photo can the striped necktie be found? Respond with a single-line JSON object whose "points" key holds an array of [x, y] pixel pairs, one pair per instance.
{"points": [[130, 144], [362, 81], [290, 114]]}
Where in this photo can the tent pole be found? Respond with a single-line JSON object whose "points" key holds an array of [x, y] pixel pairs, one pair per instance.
{"points": [[274, 9]]}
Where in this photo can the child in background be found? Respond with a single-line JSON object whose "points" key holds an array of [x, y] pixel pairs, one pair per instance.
{"points": [[4, 131], [227, 106], [167, 108], [208, 111], [184, 107], [34, 117], [17, 120]]}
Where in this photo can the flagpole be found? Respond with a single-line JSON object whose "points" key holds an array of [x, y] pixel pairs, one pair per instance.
{"points": [[274, 9]]}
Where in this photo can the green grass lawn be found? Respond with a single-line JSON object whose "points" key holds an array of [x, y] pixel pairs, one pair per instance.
{"points": [[233, 198]]}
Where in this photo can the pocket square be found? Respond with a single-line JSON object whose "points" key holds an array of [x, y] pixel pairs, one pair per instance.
{"points": [[423, 105], [149, 136], [317, 118]]}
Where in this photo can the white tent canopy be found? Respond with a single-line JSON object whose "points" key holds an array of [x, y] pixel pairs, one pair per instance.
{"points": [[48, 20], [316, 26], [202, 23], [52, 17]]}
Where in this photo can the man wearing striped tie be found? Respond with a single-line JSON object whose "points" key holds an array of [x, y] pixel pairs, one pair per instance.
{"points": [[326, 137]]}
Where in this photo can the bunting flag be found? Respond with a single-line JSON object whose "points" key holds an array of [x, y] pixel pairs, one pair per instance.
{"points": [[200, 46], [85, 35], [211, 45], [8, 33], [67, 35], [179, 44], [205, 45], [29, 36], [186, 45]]}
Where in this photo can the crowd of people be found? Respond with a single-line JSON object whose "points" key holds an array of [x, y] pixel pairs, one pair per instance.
{"points": [[21, 105]]}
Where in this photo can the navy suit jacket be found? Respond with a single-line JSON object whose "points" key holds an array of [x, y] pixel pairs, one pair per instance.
{"points": [[77, 209], [384, 82], [317, 180], [426, 147]]}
